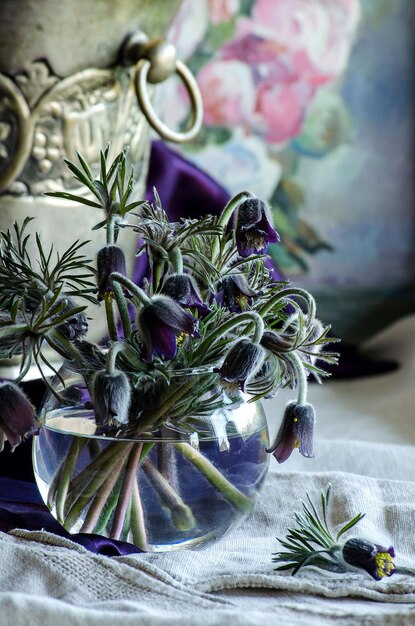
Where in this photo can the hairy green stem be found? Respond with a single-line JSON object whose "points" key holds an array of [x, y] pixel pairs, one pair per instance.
{"points": [[226, 216], [113, 351], [112, 327], [135, 290], [302, 383], [110, 231], [130, 478], [181, 514], [291, 291], [123, 309], [177, 261], [243, 318], [214, 476]]}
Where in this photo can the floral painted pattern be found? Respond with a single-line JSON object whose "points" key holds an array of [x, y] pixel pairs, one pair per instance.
{"points": [[268, 72]]}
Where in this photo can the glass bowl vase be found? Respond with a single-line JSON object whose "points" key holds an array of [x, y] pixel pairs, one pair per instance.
{"points": [[176, 486]]}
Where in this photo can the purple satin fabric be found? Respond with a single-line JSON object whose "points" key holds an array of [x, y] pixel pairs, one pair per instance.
{"points": [[21, 507]]}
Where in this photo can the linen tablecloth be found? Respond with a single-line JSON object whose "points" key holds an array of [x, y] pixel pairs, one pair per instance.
{"points": [[46, 579]]}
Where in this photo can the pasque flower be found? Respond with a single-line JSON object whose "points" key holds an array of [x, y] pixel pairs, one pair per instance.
{"points": [[376, 560], [296, 431], [235, 294], [112, 397], [182, 289], [241, 363], [158, 322], [109, 259], [253, 227], [17, 415]]}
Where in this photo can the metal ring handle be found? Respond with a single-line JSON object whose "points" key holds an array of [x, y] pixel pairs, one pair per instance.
{"points": [[196, 112]]}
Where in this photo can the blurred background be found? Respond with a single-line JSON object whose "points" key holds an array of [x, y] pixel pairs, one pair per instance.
{"points": [[310, 105]]}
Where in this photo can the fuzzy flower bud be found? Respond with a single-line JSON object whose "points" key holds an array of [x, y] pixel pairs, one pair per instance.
{"points": [[158, 323], [112, 397], [17, 415], [376, 560], [275, 342], [241, 363], [253, 229], [109, 259], [296, 431], [182, 289]]}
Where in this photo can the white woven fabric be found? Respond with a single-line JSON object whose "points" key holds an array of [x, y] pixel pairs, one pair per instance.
{"points": [[47, 580], [45, 576]]}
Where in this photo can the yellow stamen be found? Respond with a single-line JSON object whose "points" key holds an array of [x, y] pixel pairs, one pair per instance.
{"points": [[242, 301], [384, 563]]}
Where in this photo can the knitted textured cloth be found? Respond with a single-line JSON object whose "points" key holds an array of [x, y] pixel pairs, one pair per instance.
{"points": [[45, 578]]}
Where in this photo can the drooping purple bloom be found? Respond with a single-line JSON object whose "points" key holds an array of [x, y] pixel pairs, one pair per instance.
{"points": [[17, 415], [296, 431], [374, 559], [158, 323], [253, 228], [235, 294], [182, 289], [109, 259], [111, 397], [241, 363]]}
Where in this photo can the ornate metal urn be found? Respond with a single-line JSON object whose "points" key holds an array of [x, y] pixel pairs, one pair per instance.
{"points": [[74, 78]]}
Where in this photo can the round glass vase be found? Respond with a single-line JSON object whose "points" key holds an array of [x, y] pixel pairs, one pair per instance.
{"points": [[177, 486]]}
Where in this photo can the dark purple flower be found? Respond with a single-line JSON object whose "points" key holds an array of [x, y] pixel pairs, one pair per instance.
{"points": [[17, 415], [182, 289], [158, 323], [253, 228], [109, 259], [296, 431], [112, 397], [242, 361], [376, 560], [235, 294]]}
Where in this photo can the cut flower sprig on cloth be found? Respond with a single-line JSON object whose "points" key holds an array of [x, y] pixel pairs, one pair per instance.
{"points": [[312, 542]]}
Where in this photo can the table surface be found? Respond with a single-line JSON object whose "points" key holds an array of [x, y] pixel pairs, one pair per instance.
{"points": [[365, 440]]}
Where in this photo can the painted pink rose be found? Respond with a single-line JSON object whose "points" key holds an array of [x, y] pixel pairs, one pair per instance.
{"points": [[222, 10], [322, 29], [290, 48], [279, 110], [228, 93]]}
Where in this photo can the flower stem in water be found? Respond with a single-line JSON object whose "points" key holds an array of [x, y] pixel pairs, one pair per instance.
{"points": [[214, 476], [182, 515], [126, 489]]}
